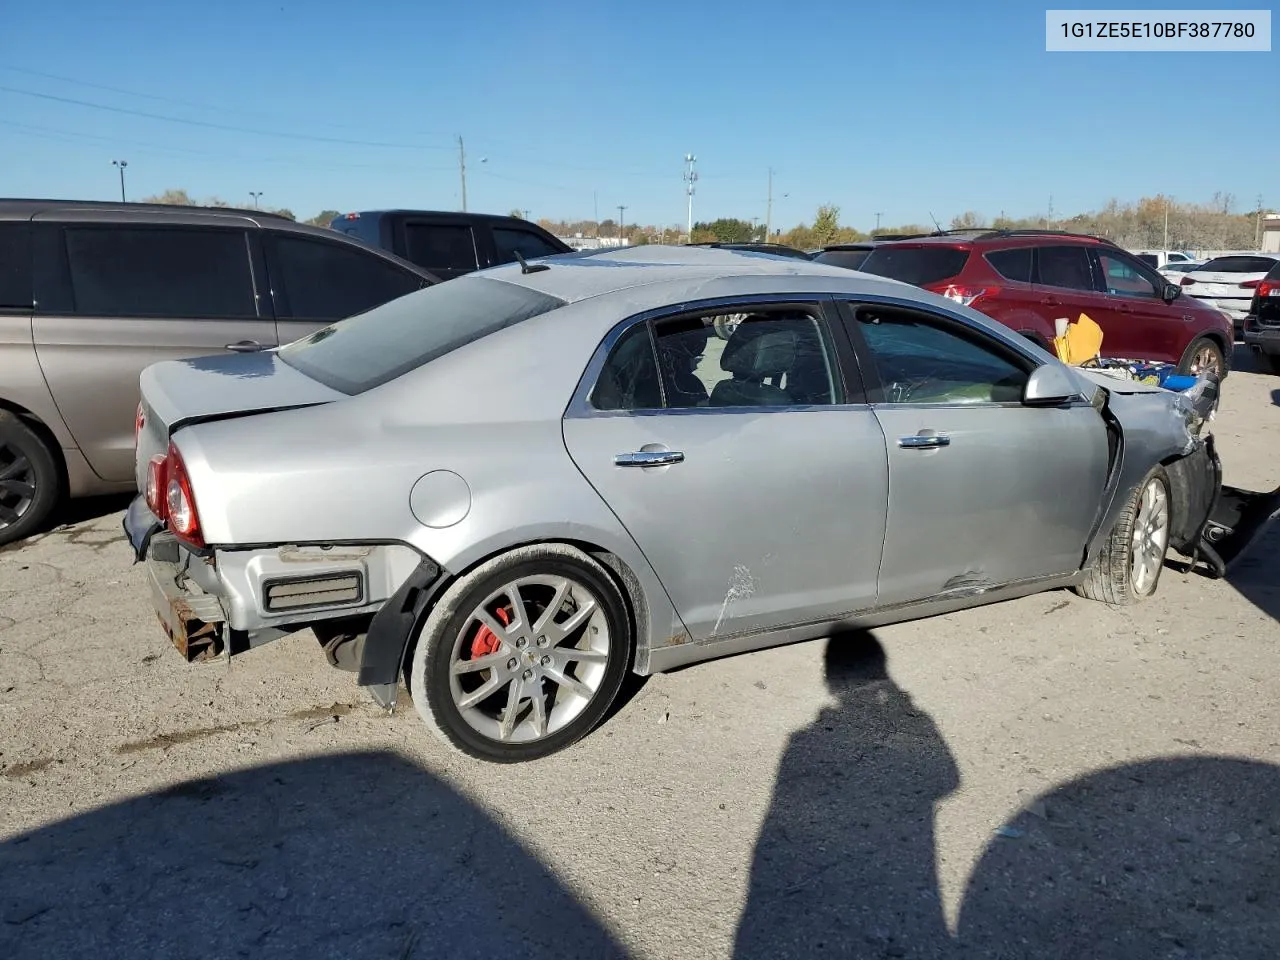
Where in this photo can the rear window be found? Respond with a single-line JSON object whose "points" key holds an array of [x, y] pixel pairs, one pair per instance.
{"points": [[1239, 265], [372, 348], [918, 265], [849, 259], [15, 265], [1012, 264]]}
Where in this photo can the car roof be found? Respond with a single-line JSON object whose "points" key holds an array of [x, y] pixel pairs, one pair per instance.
{"points": [[985, 235], [655, 275], [12, 208], [454, 214]]}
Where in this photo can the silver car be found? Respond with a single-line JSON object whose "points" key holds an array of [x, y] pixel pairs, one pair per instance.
{"points": [[512, 488]]}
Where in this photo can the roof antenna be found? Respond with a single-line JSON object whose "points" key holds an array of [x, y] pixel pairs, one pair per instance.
{"points": [[527, 268], [936, 224]]}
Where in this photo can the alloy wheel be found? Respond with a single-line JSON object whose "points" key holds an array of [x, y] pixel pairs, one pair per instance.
{"points": [[530, 659], [1206, 360], [1150, 536], [17, 484]]}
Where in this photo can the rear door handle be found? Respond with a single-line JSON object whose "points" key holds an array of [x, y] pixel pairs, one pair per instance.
{"points": [[649, 458], [245, 346], [924, 442]]}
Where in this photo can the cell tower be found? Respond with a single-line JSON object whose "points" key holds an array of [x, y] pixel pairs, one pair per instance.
{"points": [[690, 179]]}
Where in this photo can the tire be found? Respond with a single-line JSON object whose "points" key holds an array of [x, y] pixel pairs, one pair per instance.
{"points": [[1270, 361], [30, 484], [1111, 578], [1203, 347], [452, 634]]}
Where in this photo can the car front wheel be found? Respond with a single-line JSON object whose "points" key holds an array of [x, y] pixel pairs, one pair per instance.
{"points": [[1201, 357], [1128, 567], [522, 656]]}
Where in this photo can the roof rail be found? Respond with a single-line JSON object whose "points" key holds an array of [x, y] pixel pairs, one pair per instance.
{"points": [[1029, 232]]}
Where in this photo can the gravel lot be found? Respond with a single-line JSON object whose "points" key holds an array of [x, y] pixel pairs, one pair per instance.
{"points": [[1047, 777]]}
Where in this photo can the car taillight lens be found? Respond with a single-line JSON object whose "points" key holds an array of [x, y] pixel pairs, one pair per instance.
{"points": [[179, 501], [968, 295], [156, 479], [1250, 284], [1268, 289], [1187, 281]]}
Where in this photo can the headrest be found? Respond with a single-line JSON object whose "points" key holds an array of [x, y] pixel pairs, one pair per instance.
{"points": [[759, 350]]}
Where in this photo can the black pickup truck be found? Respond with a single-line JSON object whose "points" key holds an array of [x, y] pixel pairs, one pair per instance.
{"points": [[450, 244]]}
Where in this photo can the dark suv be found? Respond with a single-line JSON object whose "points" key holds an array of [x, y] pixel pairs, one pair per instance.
{"points": [[1027, 279], [450, 244], [1262, 325], [91, 293]]}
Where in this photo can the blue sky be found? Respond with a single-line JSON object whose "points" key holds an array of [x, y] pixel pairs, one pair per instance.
{"points": [[902, 108]]}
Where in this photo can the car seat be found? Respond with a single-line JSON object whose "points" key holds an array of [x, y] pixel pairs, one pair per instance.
{"points": [[757, 352]]}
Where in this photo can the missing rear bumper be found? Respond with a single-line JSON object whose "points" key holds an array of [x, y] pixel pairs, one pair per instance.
{"points": [[194, 622]]}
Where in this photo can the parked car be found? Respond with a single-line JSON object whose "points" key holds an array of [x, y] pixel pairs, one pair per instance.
{"points": [[1159, 259], [851, 256], [91, 293], [1262, 325], [1174, 272], [1228, 283], [450, 244], [1027, 279], [632, 492], [777, 249]]}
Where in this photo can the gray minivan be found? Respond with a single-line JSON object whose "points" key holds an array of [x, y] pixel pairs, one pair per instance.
{"points": [[91, 293]]}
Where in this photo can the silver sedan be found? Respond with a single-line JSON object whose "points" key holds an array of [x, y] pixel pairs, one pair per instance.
{"points": [[511, 489]]}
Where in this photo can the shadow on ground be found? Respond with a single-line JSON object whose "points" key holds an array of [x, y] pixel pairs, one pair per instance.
{"points": [[355, 855], [1177, 857]]}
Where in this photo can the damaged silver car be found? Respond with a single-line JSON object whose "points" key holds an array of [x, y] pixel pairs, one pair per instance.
{"points": [[511, 489]]}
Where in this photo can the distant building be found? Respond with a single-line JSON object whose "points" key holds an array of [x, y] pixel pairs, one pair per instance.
{"points": [[579, 242], [1271, 233]]}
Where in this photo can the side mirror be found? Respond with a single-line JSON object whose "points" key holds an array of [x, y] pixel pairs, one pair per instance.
{"points": [[1171, 292], [1049, 385]]}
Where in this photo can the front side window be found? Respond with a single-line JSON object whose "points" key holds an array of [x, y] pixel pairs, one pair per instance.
{"points": [[1124, 279], [1065, 267], [510, 241], [768, 358], [920, 359], [328, 281], [178, 273], [379, 345], [440, 246]]}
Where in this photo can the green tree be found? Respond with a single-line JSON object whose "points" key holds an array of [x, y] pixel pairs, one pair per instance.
{"points": [[323, 218], [826, 225], [177, 198], [516, 213], [286, 213], [968, 220]]}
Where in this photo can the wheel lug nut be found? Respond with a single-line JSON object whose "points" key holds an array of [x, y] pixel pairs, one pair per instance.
{"points": [[546, 661], [522, 643], [528, 675], [542, 641], [512, 664]]}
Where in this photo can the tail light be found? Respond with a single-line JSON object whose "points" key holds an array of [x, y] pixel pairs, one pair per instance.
{"points": [[1187, 281], [966, 295], [1268, 288], [170, 497], [1249, 284]]}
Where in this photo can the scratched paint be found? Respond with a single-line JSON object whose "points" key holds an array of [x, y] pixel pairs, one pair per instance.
{"points": [[741, 585]]}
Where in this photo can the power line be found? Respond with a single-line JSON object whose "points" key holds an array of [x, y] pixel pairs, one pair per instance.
{"points": [[218, 126]]}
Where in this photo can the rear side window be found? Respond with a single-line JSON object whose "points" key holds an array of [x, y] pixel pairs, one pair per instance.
{"points": [[15, 265], [510, 241], [1065, 267], [182, 273], [849, 259], [918, 265], [1239, 265], [1011, 264], [329, 281], [440, 246], [374, 347]]}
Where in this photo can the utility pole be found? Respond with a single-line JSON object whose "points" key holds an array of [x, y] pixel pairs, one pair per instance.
{"points": [[768, 210], [462, 172], [621, 222], [878, 216], [256, 194], [121, 164], [1050, 223], [690, 178], [526, 214], [754, 221]]}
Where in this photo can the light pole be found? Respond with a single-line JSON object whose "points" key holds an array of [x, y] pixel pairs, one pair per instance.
{"points": [[690, 178], [768, 209], [622, 209], [121, 164], [256, 194]]}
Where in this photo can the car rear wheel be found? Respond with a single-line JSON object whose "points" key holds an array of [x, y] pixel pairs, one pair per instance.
{"points": [[29, 480], [1128, 567], [523, 656], [1203, 355]]}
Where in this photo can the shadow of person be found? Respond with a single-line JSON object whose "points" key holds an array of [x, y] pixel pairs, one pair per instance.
{"points": [[353, 855], [845, 861], [1167, 858]]}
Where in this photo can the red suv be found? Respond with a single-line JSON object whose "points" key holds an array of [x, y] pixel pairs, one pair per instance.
{"points": [[1028, 278]]}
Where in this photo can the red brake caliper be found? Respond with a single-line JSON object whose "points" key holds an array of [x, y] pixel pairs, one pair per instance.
{"points": [[486, 641]]}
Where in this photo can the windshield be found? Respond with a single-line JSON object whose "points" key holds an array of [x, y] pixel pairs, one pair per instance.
{"points": [[371, 348], [918, 265]]}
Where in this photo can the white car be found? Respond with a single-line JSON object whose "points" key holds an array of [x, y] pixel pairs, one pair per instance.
{"points": [[1159, 259], [1228, 283], [1174, 272]]}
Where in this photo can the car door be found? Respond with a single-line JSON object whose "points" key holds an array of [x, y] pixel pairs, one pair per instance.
{"points": [[1066, 288], [750, 477], [446, 246], [316, 281], [983, 490], [115, 297], [1137, 322]]}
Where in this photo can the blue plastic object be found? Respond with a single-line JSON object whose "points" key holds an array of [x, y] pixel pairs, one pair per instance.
{"points": [[1178, 382]]}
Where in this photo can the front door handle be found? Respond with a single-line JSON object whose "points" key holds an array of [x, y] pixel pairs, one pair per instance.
{"points": [[924, 441], [245, 346], [649, 458]]}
